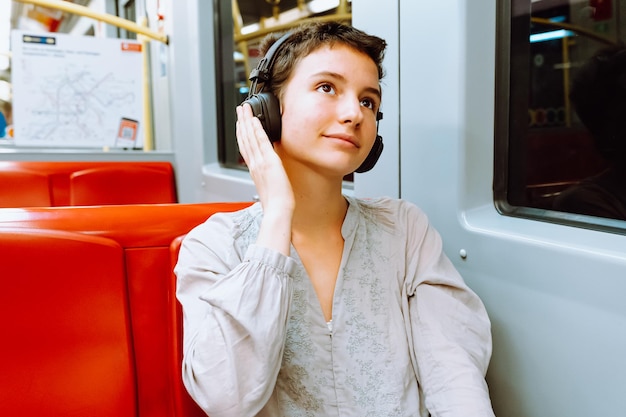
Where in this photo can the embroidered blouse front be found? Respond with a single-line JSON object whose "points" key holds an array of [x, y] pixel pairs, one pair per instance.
{"points": [[408, 337]]}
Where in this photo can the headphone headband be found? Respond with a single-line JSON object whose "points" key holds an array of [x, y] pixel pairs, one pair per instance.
{"points": [[262, 72]]}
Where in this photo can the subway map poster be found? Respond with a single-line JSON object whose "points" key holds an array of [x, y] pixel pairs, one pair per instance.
{"points": [[76, 91]]}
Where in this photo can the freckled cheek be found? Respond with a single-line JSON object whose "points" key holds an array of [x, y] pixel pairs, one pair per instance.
{"points": [[290, 129], [371, 135], [299, 124]]}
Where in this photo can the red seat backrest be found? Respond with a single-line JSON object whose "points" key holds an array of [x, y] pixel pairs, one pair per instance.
{"points": [[86, 183], [123, 184], [24, 188], [66, 341]]}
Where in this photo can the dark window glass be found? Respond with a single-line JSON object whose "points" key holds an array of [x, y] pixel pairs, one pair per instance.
{"points": [[561, 112], [241, 25], [130, 14]]}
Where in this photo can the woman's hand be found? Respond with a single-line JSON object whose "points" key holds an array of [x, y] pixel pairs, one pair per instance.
{"points": [[270, 179]]}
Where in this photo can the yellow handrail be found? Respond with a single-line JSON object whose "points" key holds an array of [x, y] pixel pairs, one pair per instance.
{"points": [[148, 144], [104, 17]]}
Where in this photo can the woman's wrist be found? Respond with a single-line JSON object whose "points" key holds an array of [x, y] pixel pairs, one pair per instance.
{"points": [[275, 231]]}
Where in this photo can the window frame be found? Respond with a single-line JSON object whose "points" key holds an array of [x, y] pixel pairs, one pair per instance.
{"points": [[505, 127]]}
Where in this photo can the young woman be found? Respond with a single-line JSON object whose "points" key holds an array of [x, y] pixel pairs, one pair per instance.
{"points": [[311, 303]]}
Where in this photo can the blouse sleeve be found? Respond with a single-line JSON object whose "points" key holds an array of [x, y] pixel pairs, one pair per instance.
{"points": [[235, 311], [451, 332]]}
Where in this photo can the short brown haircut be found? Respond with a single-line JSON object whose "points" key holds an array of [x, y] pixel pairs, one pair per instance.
{"points": [[308, 37]]}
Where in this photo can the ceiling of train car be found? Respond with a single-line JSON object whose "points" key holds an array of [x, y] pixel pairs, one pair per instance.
{"points": [[252, 10]]}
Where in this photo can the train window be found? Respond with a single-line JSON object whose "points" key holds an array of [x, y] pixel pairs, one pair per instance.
{"points": [[241, 25], [129, 12], [561, 101]]}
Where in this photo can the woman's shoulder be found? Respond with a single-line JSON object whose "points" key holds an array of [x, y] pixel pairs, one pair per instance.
{"points": [[387, 205], [390, 211], [233, 224]]}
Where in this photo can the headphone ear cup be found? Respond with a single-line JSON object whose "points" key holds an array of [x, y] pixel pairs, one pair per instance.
{"points": [[265, 106], [373, 156]]}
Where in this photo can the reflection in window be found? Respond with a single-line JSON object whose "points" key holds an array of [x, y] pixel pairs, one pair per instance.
{"points": [[566, 110], [241, 25]]}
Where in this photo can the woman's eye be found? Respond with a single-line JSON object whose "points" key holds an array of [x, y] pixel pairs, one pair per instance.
{"points": [[326, 88], [366, 102]]}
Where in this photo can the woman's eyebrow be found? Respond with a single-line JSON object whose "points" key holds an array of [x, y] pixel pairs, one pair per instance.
{"points": [[330, 74]]}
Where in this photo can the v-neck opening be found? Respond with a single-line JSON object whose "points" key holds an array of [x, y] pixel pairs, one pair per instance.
{"points": [[347, 231]]}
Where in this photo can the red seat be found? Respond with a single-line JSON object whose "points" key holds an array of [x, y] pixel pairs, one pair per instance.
{"points": [[145, 232], [123, 184], [64, 183], [24, 188], [66, 348]]}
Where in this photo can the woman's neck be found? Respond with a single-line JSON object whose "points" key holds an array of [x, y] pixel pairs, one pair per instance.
{"points": [[320, 204]]}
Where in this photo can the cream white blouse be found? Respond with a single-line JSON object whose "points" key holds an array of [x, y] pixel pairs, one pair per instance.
{"points": [[408, 337]]}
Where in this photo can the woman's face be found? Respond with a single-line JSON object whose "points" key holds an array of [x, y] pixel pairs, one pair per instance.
{"points": [[329, 107]]}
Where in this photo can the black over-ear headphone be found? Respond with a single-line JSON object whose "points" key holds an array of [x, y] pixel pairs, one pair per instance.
{"points": [[266, 107]]}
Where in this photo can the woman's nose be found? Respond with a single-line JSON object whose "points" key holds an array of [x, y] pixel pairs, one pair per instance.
{"points": [[350, 110]]}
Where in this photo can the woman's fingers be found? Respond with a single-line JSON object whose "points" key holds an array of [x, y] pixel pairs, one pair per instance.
{"points": [[253, 142], [265, 166]]}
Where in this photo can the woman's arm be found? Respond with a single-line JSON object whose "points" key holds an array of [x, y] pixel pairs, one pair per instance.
{"points": [[235, 311], [450, 329], [235, 315]]}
